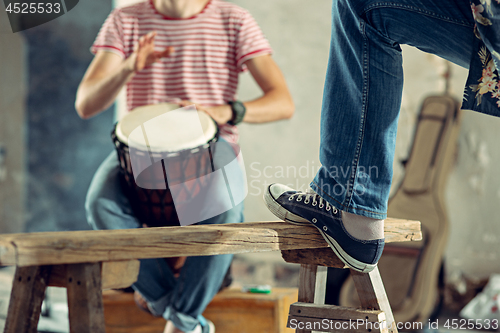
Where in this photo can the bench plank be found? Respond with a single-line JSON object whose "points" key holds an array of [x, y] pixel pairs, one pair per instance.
{"points": [[67, 247], [114, 274]]}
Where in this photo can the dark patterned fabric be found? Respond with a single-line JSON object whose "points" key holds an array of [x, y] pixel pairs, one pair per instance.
{"points": [[482, 90]]}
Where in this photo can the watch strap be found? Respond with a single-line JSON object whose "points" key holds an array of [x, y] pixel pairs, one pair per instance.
{"points": [[239, 110]]}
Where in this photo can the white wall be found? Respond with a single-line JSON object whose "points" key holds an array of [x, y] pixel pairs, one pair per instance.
{"points": [[12, 134]]}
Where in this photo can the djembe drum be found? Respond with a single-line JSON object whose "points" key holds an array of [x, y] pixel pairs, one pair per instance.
{"points": [[160, 146]]}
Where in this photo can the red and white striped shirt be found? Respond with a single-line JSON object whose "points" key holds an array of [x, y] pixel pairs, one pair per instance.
{"points": [[210, 51]]}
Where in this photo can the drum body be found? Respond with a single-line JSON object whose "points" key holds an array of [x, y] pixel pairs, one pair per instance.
{"points": [[158, 147]]}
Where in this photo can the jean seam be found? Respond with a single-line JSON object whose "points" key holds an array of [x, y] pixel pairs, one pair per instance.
{"points": [[359, 145], [418, 10]]}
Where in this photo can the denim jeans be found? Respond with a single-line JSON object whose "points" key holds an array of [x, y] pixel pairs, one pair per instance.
{"points": [[363, 88], [181, 300]]}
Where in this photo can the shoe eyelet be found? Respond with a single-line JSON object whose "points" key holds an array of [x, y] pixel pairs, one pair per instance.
{"points": [[290, 198], [299, 199], [335, 211], [314, 203], [328, 208], [306, 201], [325, 228], [314, 220], [321, 206]]}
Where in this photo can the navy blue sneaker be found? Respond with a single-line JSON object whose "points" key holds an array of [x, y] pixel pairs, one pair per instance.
{"points": [[305, 208]]}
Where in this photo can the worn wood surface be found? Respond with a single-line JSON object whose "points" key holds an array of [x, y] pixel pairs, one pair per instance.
{"points": [[320, 257], [312, 287], [372, 295], [53, 248], [119, 274], [28, 291], [332, 318], [328, 311], [323, 256], [86, 312], [114, 274]]}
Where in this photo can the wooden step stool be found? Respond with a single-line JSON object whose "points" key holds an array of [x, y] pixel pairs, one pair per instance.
{"points": [[311, 314], [231, 310], [82, 260]]}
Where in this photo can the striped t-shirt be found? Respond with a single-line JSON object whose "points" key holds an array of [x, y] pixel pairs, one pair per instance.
{"points": [[210, 51]]}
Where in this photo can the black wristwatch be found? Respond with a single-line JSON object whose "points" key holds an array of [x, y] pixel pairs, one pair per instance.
{"points": [[239, 111]]}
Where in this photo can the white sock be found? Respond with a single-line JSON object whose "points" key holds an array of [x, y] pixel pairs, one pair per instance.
{"points": [[362, 227]]}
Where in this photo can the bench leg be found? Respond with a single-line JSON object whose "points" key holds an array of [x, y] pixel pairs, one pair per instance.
{"points": [[86, 314], [372, 294], [28, 291], [312, 286]]}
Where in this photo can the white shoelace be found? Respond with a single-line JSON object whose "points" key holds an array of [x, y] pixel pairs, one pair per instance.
{"points": [[310, 194]]}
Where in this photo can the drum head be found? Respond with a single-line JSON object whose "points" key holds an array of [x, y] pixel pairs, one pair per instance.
{"points": [[166, 127]]}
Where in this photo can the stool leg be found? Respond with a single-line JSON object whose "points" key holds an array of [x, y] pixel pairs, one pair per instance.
{"points": [[312, 286], [26, 297], [372, 295], [84, 287]]}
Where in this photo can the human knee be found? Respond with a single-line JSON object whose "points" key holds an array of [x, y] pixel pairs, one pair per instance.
{"points": [[104, 213], [96, 210]]}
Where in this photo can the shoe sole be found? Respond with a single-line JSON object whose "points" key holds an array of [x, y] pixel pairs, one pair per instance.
{"points": [[344, 257], [282, 213]]}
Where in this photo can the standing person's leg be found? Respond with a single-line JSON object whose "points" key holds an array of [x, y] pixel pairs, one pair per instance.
{"points": [[359, 117]]}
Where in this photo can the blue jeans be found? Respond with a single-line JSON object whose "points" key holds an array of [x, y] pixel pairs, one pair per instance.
{"points": [[181, 300], [363, 88]]}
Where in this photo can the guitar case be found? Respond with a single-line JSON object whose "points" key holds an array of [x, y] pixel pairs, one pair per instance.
{"points": [[411, 270]]}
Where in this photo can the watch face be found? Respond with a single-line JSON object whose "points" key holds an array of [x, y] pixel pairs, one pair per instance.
{"points": [[239, 110], [238, 107]]}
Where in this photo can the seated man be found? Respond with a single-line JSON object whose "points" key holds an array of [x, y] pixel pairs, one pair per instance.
{"points": [[179, 51], [361, 103]]}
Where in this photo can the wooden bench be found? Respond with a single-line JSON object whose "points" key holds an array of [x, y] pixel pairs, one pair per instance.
{"points": [[85, 262]]}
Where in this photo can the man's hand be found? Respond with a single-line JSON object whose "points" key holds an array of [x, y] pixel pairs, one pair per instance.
{"points": [[221, 113], [145, 54]]}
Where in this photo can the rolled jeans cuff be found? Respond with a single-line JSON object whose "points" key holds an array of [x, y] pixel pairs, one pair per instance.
{"points": [[181, 320]]}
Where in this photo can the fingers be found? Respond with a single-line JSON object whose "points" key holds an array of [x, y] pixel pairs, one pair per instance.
{"points": [[168, 51], [147, 39], [163, 54], [150, 37], [145, 50]]}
